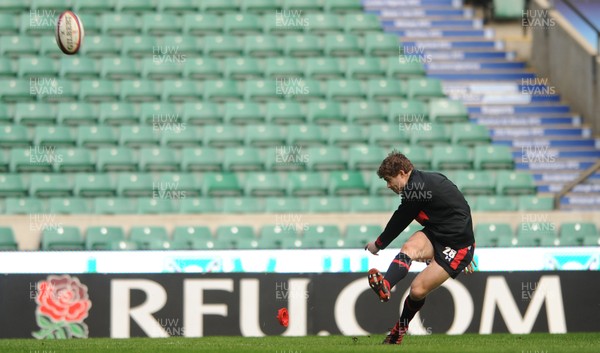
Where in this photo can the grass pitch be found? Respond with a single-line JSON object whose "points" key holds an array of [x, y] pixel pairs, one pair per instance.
{"points": [[533, 343]]}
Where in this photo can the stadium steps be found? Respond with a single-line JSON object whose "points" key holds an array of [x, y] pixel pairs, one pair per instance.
{"points": [[520, 109]]}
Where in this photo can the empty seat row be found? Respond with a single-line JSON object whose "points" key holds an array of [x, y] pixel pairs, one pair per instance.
{"points": [[217, 46], [542, 233], [162, 63]]}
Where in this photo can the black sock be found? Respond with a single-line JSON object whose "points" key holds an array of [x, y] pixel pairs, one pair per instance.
{"points": [[398, 269], [410, 309]]}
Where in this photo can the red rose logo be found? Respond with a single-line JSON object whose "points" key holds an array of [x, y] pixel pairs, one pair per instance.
{"points": [[283, 317], [63, 304]]}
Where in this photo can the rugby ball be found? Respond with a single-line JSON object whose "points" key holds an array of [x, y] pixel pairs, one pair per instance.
{"points": [[69, 32]]}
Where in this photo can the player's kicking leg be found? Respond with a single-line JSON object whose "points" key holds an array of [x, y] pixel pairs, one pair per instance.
{"points": [[417, 248]]}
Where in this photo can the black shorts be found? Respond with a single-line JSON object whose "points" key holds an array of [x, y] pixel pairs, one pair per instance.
{"points": [[453, 260]]}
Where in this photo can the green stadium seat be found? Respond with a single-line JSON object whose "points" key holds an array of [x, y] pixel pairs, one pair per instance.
{"points": [[140, 46], [264, 185], [447, 111], [531, 233], [33, 159], [6, 66], [243, 113], [181, 47], [326, 158], [70, 205], [160, 115], [57, 136], [93, 23], [17, 46], [136, 136], [283, 205], [323, 23], [114, 206], [180, 137], [23, 206], [575, 233], [470, 134], [346, 135], [14, 6], [197, 206], [343, 6], [140, 91], [242, 68], [93, 7], [35, 114], [514, 183], [429, 134], [305, 135], [176, 185], [143, 235], [120, 24], [7, 240], [279, 67], [409, 114], [62, 238], [200, 24], [94, 185], [159, 24], [154, 159], [298, 243], [300, 90], [36, 67], [5, 115], [347, 183], [591, 241], [264, 136], [98, 90], [74, 160], [275, 234], [493, 157], [13, 136], [323, 68], [241, 23], [495, 203], [512, 9], [119, 68], [306, 184], [365, 157], [177, 6], [382, 44], [242, 205], [245, 159], [262, 46], [491, 234], [219, 6], [76, 113], [262, 91], [221, 184], [368, 204], [364, 68], [424, 88], [342, 45], [12, 185], [189, 234], [363, 232], [345, 90], [451, 157], [96, 136], [405, 67], [418, 155], [386, 90], [79, 68], [168, 245], [474, 182], [283, 113], [281, 22], [201, 159], [135, 185], [232, 234], [362, 23], [318, 204], [302, 45], [16, 91], [315, 234], [221, 90], [162, 67], [535, 203], [50, 185], [155, 205], [202, 113], [222, 136], [220, 46], [365, 113], [100, 46], [387, 135], [325, 112]]}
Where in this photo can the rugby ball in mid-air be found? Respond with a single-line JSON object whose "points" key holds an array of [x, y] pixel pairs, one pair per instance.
{"points": [[69, 32]]}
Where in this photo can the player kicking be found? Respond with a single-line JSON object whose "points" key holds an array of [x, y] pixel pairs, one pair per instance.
{"points": [[446, 242]]}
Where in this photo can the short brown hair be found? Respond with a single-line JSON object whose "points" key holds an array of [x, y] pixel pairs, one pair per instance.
{"points": [[393, 164]]}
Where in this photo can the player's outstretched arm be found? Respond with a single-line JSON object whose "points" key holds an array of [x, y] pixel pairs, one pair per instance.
{"points": [[372, 247]]}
